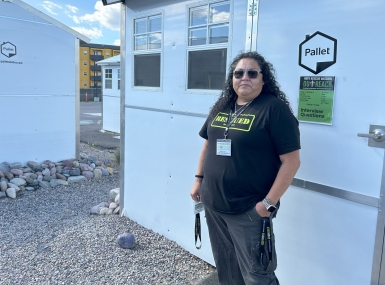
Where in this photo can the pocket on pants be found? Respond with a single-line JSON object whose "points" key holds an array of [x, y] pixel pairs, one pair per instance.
{"points": [[256, 265]]}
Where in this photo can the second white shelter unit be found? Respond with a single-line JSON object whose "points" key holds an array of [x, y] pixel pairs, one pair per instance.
{"points": [[174, 57], [39, 79], [111, 93]]}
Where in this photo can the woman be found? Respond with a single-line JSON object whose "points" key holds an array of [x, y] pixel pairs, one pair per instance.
{"points": [[249, 158]]}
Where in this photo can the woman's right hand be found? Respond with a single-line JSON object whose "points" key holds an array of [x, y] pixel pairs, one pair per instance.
{"points": [[195, 191]]}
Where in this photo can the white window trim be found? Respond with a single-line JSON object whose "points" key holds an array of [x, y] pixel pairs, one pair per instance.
{"points": [[118, 81], [227, 45], [151, 51], [108, 78]]}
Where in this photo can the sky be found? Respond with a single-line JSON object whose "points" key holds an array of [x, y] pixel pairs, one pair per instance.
{"points": [[89, 17]]}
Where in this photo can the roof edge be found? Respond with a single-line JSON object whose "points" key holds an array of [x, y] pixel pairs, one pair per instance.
{"points": [[49, 19]]}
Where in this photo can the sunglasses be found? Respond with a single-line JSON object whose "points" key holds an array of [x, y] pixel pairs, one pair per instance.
{"points": [[252, 74]]}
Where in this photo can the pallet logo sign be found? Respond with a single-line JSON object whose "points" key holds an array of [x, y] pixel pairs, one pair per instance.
{"points": [[316, 93], [8, 49]]}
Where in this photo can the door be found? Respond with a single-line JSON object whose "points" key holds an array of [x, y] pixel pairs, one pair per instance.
{"points": [[330, 229]]}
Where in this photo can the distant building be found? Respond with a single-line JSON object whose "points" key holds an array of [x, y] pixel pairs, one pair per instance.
{"points": [[90, 73], [111, 93]]}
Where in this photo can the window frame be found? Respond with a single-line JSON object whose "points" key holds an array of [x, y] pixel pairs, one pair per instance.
{"points": [[118, 72], [147, 51], [107, 78], [206, 47]]}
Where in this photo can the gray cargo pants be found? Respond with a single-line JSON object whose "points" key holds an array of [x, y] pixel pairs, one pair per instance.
{"points": [[235, 243]]}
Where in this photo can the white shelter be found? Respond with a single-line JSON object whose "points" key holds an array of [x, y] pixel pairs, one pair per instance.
{"points": [[39, 79], [111, 93], [174, 57]]}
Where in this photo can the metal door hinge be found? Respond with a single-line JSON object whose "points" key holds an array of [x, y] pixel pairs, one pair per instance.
{"points": [[253, 9]]}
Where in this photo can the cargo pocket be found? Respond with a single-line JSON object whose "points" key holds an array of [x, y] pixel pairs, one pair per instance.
{"points": [[256, 265]]}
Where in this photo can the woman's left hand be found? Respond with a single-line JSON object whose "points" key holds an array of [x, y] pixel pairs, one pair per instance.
{"points": [[261, 210]]}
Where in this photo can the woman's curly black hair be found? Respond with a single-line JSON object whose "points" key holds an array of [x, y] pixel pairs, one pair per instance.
{"points": [[271, 86]]}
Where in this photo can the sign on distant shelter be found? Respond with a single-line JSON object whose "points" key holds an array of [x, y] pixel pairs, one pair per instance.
{"points": [[316, 96], [317, 52]]}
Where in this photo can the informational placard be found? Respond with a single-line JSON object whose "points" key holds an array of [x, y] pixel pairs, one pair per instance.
{"points": [[316, 96]]}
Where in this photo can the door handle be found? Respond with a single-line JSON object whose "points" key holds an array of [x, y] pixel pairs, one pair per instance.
{"points": [[378, 135]]}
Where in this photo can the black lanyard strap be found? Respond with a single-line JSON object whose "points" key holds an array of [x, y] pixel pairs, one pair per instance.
{"points": [[232, 117], [198, 230], [265, 240]]}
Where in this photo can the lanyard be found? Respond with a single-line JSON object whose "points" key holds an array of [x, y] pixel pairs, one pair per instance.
{"points": [[265, 238], [232, 117], [198, 230]]}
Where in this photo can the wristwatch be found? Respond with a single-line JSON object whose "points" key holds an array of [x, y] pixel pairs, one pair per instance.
{"points": [[270, 206]]}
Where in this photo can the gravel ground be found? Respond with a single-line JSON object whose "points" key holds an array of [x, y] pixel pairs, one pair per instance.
{"points": [[48, 237]]}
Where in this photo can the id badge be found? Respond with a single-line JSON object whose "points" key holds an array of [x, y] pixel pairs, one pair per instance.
{"points": [[224, 147], [198, 207]]}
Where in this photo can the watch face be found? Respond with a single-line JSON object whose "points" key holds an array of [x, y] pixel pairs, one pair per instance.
{"points": [[271, 208]]}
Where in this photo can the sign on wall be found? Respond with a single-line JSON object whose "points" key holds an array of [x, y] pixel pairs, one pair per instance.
{"points": [[317, 52], [7, 50], [316, 96]]}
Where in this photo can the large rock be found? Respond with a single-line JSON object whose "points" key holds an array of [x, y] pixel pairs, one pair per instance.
{"points": [[75, 179], [43, 184], [62, 182], [11, 193], [15, 165], [18, 181], [113, 193], [88, 174], [4, 167], [98, 174], [126, 240], [3, 195], [46, 172], [60, 176], [17, 172], [74, 172], [34, 166], [47, 178], [1, 174], [9, 175], [96, 209], [11, 185], [110, 170], [3, 186], [113, 205], [53, 183]]}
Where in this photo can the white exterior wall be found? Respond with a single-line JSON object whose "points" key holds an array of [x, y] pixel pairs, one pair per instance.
{"points": [[111, 102], [321, 239], [37, 96]]}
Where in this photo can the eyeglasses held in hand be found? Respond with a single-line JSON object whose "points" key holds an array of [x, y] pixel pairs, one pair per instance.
{"points": [[252, 74]]}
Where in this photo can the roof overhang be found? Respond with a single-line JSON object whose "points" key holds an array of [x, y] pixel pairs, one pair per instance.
{"points": [[49, 19]]}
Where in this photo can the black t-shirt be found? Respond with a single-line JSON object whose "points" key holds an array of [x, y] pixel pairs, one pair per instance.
{"points": [[265, 130]]}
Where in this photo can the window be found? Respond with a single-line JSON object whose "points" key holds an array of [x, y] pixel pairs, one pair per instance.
{"points": [[85, 73], [85, 52], [84, 62], [118, 79], [208, 36], [107, 54], [147, 51], [108, 79], [85, 84]]}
